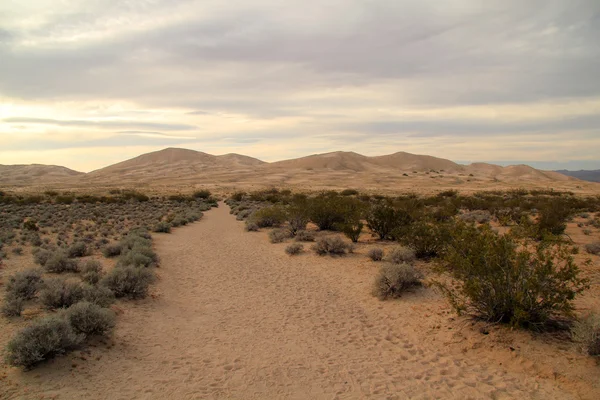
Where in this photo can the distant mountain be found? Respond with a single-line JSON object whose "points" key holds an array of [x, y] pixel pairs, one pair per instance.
{"points": [[26, 175], [584, 175]]}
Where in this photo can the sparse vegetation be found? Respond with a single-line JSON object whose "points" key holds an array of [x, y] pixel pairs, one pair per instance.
{"points": [[129, 281], [90, 319], [400, 255], [586, 333], [395, 279], [294, 248], [332, 245], [375, 254]]}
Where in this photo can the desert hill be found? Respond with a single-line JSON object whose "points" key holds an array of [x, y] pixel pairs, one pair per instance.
{"points": [[586, 175], [178, 169]]}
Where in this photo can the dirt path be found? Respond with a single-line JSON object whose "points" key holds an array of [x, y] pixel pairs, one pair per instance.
{"points": [[235, 317]]}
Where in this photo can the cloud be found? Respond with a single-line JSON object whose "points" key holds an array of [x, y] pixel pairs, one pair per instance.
{"points": [[100, 124]]}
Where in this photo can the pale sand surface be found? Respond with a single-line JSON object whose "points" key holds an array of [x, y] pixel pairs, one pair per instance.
{"points": [[233, 316]]}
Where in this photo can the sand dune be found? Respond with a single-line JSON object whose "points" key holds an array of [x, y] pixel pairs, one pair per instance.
{"points": [[20, 175], [234, 317]]}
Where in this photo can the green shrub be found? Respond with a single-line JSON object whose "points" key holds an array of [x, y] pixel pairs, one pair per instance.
{"points": [[352, 230], [294, 248], [427, 239], [99, 295], [202, 194], [586, 333], [552, 218], [499, 281], [395, 279], [401, 255], [78, 249], [162, 227], [43, 339], [326, 211], [139, 257], [269, 217], [30, 225], [41, 256], [91, 272], [305, 236], [298, 216], [59, 262], [279, 235], [129, 281], [24, 284], [375, 254], [251, 226], [385, 220], [349, 192], [332, 245], [12, 305], [112, 250], [60, 293], [90, 319]]}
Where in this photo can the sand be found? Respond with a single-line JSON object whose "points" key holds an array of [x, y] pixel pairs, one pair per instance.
{"points": [[233, 316]]}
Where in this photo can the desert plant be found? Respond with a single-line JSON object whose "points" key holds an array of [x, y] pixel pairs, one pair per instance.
{"points": [[268, 217], [305, 236], [552, 218], [479, 216], [251, 226], [43, 339], [12, 305], [401, 254], [60, 293], [294, 248], [91, 272], [77, 249], [100, 295], [499, 281], [24, 284], [395, 279], [352, 230], [427, 239], [593, 248], [384, 220], [279, 235], [90, 319], [586, 333], [326, 211], [41, 256], [59, 262], [375, 254], [129, 281], [162, 227], [298, 216], [332, 245]]}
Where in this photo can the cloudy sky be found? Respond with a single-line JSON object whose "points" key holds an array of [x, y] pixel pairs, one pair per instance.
{"points": [[86, 83]]}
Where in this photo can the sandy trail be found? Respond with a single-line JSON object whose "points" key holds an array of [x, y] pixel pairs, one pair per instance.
{"points": [[235, 317]]}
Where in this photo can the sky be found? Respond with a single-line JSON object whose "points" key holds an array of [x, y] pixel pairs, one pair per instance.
{"points": [[87, 83]]}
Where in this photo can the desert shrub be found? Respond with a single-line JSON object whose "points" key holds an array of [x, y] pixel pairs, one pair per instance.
{"points": [[305, 236], [202, 194], [593, 248], [99, 295], [279, 235], [427, 239], [384, 220], [479, 216], [395, 279], [298, 216], [91, 272], [43, 339], [129, 281], [90, 319], [78, 249], [139, 257], [401, 254], [30, 225], [332, 245], [60, 293], [375, 254], [294, 248], [251, 226], [269, 216], [41, 256], [162, 227], [352, 230], [552, 218], [59, 262], [112, 250], [12, 305], [17, 251], [349, 192], [325, 212], [586, 333], [499, 281], [24, 284]]}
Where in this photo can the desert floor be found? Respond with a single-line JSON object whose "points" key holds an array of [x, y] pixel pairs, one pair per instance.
{"points": [[233, 316]]}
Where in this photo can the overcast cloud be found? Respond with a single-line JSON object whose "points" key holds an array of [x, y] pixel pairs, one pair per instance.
{"points": [[460, 79]]}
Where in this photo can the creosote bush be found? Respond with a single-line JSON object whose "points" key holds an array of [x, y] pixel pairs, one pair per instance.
{"points": [[294, 248], [60, 293], [401, 254], [251, 226], [498, 280], [90, 319], [395, 279], [268, 217], [279, 235], [331, 245], [162, 227], [78, 249], [375, 254], [129, 281], [24, 284], [59, 262], [112, 250], [43, 339], [305, 236]]}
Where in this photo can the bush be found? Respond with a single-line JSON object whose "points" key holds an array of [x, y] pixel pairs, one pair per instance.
{"points": [[78, 249], [99, 295], [202, 194], [375, 254], [25, 284], [593, 248], [352, 230], [12, 306], [279, 235], [41, 256], [499, 281], [479, 216], [326, 211], [305, 236], [349, 192], [333, 245], [112, 250], [425, 238], [129, 281], [43, 339], [91, 272], [59, 262], [395, 279], [385, 220], [298, 217], [269, 217], [60, 293], [294, 248], [90, 319], [251, 226], [139, 257], [586, 333], [162, 227], [552, 218], [401, 254]]}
